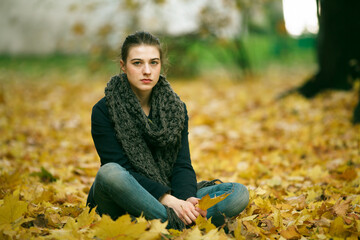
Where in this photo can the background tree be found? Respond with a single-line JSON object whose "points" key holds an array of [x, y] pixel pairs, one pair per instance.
{"points": [[338, 50]]}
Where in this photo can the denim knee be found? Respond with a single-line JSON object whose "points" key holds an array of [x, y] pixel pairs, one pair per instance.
{"points": [[238, 200], [108, 172]]}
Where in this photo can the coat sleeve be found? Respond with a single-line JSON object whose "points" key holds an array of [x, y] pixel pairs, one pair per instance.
{"points": [[110, 150], [183, 180]]}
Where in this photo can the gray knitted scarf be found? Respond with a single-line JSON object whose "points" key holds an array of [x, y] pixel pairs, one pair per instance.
{"points": [[150, 145]]}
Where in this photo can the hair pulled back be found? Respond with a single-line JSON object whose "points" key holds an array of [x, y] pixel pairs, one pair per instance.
{"points": [[140, 38]]}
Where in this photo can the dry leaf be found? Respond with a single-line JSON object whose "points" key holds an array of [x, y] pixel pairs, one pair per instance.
{"points": [[341, 207], [86, 218], [349, 174], [11, 212], [290, 233], [204, 224], [195, 234], [122, 228], [251, 228], [206, 202], [156, 229]]}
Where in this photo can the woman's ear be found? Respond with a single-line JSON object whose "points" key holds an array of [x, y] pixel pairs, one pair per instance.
{"points": [[122, 64]]}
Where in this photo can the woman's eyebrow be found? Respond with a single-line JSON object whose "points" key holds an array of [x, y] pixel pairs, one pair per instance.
{"points": [[140, 59]]}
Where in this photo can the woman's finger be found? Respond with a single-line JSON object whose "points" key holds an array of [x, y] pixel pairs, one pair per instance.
{"points": [[202, 212], [193, 200], [189, 213], [196, 213], [184, 217], [181, 215], [188, 220]]}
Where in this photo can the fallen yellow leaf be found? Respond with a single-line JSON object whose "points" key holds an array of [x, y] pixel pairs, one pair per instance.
{"points": [[290, 233], [13, 209], [206, 202], [122, 228], [204, 224]]}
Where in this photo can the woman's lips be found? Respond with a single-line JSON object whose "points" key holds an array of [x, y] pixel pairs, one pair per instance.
{"points": [[146, 80]]}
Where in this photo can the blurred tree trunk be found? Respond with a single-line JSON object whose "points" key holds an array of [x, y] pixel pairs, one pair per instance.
{"points": [[241, 56], [338, 49], [237, 47]]}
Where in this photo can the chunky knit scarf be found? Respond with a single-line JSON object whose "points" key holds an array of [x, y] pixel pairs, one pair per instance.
{"points": [[150, 145]]}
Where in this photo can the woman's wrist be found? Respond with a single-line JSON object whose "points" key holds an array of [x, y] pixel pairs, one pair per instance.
{"points": [[165, 199]]}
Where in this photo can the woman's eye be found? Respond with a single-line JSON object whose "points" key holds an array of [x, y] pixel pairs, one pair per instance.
{"points": [[136, 63], [154, 62]]}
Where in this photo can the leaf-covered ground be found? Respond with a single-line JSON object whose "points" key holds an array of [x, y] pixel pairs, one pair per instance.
{"points": [[300, 159]]}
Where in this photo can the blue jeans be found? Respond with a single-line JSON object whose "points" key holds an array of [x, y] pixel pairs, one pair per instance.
{"points": [[117, 192]]}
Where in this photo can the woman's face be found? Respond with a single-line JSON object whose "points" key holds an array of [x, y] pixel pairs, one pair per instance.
{"points": [[142, 67]]}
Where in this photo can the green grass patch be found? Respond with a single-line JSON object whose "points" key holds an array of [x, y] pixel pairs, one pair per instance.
{"points": [[188, 56]]}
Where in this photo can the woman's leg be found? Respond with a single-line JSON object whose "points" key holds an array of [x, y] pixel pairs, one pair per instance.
{"points": [[116, 192], [233, 205]]}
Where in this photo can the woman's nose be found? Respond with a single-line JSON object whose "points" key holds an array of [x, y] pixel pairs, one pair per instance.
{"points": [[146, 69]]}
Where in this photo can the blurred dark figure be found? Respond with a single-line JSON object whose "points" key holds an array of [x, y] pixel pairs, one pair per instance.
{"points": [[338, 49]]}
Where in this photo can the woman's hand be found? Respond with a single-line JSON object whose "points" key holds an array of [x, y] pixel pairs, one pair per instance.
{"points": [[185, 210], [195, 201]]}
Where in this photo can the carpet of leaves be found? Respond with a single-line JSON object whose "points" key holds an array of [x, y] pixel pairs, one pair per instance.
{"points": [[299, 159]]}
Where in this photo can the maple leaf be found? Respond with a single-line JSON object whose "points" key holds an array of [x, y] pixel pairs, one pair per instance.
{"points": [[157, 228], [174, 232], [204, 224], [263, 203], [122, 228], [74, 229], [278, 220], [194, 234], [338, 229], [349, 174], [250, 218], [341, 207], [237, 232], [11, 212], [53, 220], [252, 230], [86, 218], [70, 231], [206, 202], [214, 234], [268, 226], [290, 233]]}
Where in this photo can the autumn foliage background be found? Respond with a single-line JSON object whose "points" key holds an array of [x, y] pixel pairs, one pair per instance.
{"points": [[299, 157]]}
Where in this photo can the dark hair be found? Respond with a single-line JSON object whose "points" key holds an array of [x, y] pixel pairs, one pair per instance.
{"points": [[140, 38]]}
